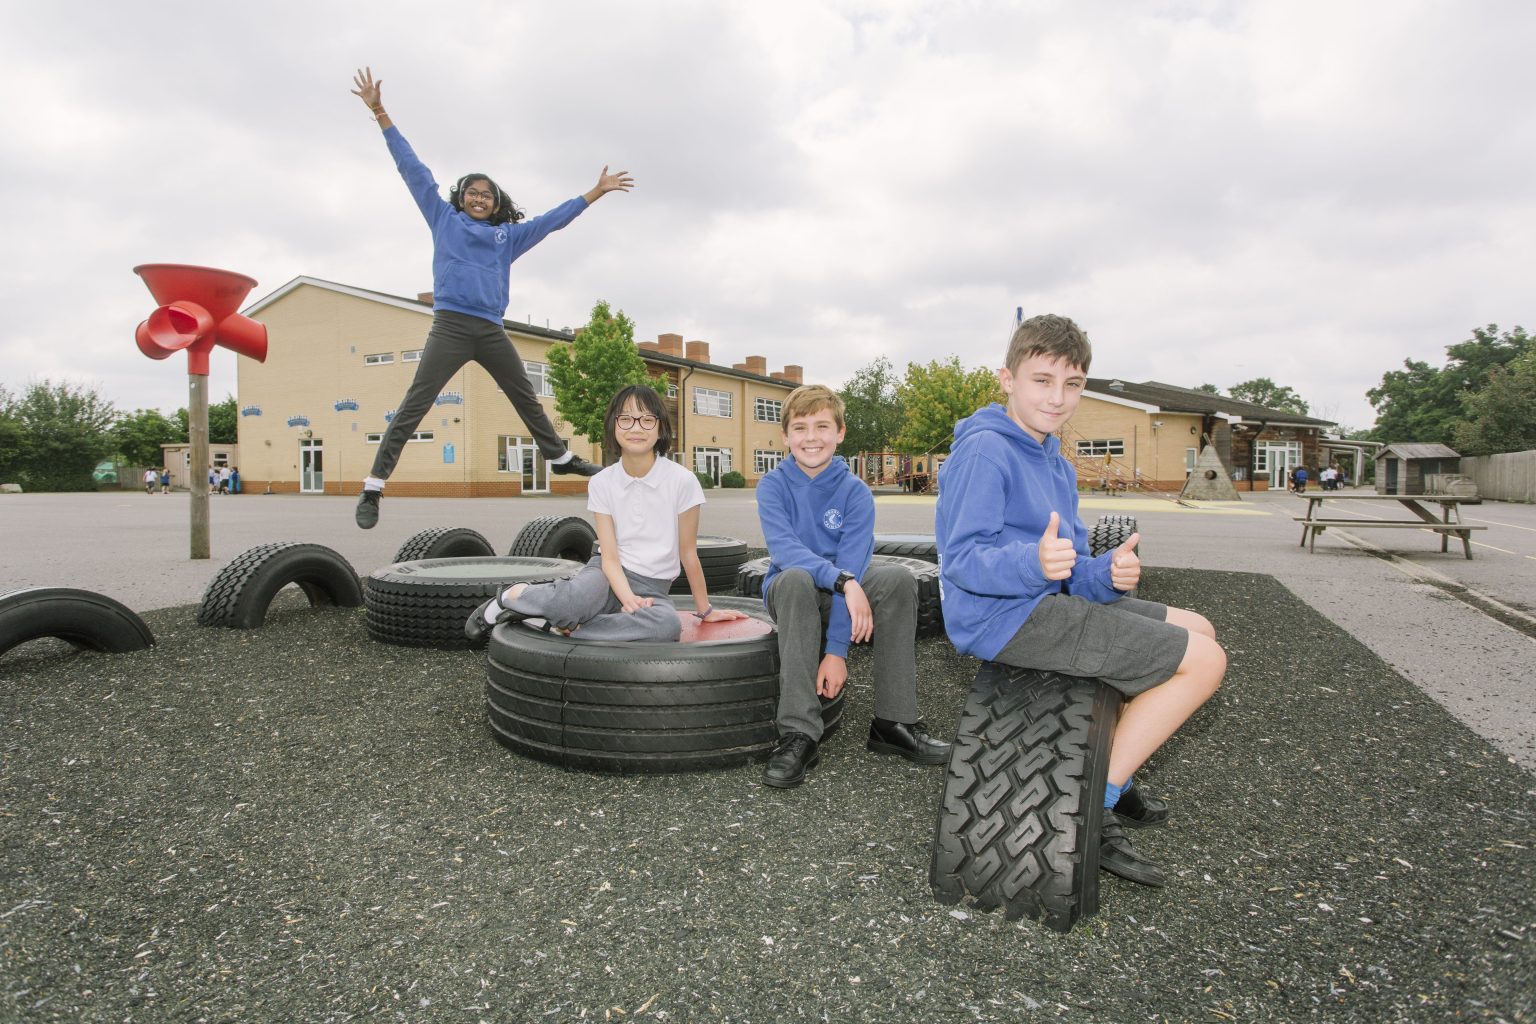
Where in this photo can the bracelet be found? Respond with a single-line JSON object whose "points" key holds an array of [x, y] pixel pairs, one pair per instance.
{"points": [[701, 616]]}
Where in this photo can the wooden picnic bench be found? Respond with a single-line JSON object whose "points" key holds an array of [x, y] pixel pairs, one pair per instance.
{"points": [[1447, 525]]}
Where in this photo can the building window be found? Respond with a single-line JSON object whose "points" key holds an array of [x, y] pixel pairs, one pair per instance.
{"points": [[420, 435], [763, 460], [1101, 447], [711, 461], [538, 376], [712, 403], [1277, 456], [413, 356], [379, 359], [672, 390], [766, 410], [375, 439]]}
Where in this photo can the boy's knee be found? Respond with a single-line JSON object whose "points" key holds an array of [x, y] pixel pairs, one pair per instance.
{"points": [[1208, 658], [1202, 625], [794, 579]]}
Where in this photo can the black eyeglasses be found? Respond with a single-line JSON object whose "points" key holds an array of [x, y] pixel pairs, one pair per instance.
{"points": [[626, 421], [474, 193]]}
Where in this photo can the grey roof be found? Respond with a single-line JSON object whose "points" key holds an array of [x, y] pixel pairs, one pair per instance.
{"points": [[1418, 450], [1172, 398]]}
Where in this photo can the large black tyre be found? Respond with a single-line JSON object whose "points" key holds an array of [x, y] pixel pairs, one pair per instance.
{"points": [[908, 545], [930, 611], [240, 593], [640, 706], [1110, 532], [85, 619], [1023, 803], [424, 603], [444, 542], [569, 537]]}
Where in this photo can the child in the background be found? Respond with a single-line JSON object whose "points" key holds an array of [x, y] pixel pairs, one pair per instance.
{"points": [[646, 508]]}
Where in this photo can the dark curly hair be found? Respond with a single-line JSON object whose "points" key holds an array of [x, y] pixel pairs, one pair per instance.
{"points": [[649, 401], [505, 211]]}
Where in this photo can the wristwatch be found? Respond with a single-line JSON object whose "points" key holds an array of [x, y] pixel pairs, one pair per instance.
{"points": [[843, 579]]}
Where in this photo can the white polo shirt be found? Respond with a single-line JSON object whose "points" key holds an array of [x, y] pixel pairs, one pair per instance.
{"points": [[644, 512]]}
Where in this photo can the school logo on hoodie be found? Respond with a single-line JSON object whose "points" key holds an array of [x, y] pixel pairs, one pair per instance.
{"points": [[832, 519], [501, 236]]}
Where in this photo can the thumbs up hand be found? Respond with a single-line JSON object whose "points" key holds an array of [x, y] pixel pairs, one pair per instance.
{"points": [[1125, 565], [1057, 556]]}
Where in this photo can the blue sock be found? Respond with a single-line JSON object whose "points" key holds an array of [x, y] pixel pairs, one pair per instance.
{"points": [[1112, 793]]}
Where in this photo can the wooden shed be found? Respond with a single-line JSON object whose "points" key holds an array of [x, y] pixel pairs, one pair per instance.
{"points": [[1401, 468]]}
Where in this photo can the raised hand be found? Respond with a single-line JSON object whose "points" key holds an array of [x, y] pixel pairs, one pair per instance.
{"points": [[367, 89], [1125, 565], [619, 181], [1057, 556]]}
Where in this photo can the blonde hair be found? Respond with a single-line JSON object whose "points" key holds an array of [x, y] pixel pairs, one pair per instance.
{"points": [[1049, 335], [808, 399]]}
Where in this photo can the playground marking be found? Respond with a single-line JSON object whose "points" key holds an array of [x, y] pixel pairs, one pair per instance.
{"points": [[1229, 508]]}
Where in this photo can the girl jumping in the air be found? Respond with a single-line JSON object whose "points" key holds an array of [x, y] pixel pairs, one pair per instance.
{"points": [[647, 511], [476, 235]]}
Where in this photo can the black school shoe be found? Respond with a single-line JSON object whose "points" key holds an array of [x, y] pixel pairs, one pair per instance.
{"points": [[1139, 809], [477, 630], [909, 741], [795, 755], [367, 514], [1119, 857], [576, 464]]}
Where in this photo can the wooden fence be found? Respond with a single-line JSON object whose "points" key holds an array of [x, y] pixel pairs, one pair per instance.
{"points": [[1508, 477]]}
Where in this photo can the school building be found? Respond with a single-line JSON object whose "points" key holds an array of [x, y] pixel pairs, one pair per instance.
{"points": [[340, 358]]}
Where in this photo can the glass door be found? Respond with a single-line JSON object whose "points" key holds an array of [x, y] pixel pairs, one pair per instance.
{"points": [[311, 466]]}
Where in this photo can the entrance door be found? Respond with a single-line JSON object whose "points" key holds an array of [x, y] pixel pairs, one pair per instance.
{"points": [[311, 466], [710, 461], [525, 460]]}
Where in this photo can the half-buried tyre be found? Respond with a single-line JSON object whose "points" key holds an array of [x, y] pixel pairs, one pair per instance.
{"points": [[720, 558], [239, 595], [908, 545], [1018, 827], [930, 611], [424, 603], [568, 537], [444, 542], [84, 619], [1110, 532], [707, 701]]}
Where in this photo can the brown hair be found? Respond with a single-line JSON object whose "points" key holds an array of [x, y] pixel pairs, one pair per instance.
{"points": [[808, 399], [1049, 335]]}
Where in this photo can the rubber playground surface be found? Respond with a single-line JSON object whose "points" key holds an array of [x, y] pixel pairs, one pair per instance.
{"points": [[296, 823]]}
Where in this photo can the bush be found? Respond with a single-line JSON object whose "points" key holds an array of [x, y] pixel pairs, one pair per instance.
{"points": [[705, 480], [733, 479]]}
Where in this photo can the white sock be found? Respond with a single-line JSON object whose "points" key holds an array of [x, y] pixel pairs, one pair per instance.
{"points": [[562, 460], [491, 611], [372, 483]]}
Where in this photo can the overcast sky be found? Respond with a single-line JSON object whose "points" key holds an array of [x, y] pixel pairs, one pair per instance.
{"points": [[1307, 191]]}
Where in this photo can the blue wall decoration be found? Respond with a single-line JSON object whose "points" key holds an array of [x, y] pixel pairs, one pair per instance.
{"points": [[450, 398], [389, 416], [251, 410], [448, 453], [346, 405], [298, 421]]}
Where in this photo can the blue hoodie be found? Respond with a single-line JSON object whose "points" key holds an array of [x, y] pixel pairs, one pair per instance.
{"points": [[823, 524], [471, 259], [997, 491]]}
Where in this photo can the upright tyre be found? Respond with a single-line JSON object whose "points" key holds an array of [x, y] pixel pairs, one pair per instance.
{"points": [[1110, 532], [908, 545], [930, 610], [719, 557], [424, 603], [569, 537], [706, 701], [1018, 828], [240, 593], [444, 542], [84, 619]]}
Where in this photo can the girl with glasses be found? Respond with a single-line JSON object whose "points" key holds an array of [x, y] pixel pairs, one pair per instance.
{"points": [[646, 508], [477, 233]]}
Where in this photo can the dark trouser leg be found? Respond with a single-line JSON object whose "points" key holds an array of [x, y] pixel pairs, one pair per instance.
{"points": [[892, 593], [798, 610], [448, 348], [493, 350]]}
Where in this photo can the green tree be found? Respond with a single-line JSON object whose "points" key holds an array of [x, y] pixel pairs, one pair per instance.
{"points": [[872, 408], [68, 430], [937, 395], [1265, 392], [1210, 389], [141, 433], [1422, 403], [223, 422], [1498, 417], [588, 372], [15, 446]]}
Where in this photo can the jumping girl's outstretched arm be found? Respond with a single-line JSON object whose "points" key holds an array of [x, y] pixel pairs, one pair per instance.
{"points": [[618, 182], [688, 555], [368, 91]]}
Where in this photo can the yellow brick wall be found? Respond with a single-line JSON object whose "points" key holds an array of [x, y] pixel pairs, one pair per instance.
{"points": [[1158, 453]]}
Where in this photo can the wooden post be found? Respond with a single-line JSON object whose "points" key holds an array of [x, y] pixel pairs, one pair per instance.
{"points": [[197, 431]]}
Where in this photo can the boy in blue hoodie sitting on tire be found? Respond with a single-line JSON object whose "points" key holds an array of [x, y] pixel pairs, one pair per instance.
{"points": [[824, 593], [1019, 588]]}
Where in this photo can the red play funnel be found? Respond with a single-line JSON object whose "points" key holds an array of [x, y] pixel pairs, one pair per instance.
{"points": [[197, 311]]}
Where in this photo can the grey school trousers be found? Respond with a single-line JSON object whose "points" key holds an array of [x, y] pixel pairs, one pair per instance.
{"points": [[801, 612], [454, 340], [586, 604]]}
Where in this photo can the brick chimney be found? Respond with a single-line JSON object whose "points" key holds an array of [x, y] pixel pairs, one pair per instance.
{"points": [[739, 366], [671, 344], [777, 375], [757, 365], [698, 351], [424, 297], [648, 346], [794, 374]]}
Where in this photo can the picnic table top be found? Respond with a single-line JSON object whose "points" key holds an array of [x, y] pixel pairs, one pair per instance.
{"points": [[1444, 499]]}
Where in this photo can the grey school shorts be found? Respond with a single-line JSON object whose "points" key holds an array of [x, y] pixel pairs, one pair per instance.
{"points": [[1128, 644]]}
